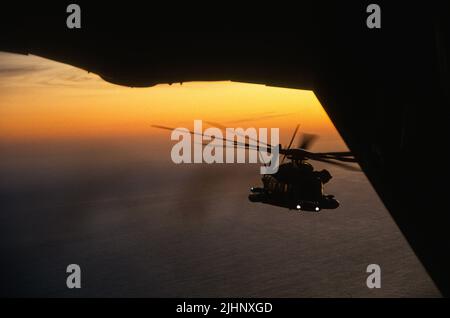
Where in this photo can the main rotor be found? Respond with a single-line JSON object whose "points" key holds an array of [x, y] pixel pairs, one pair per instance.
{"points": [[294, 152]]}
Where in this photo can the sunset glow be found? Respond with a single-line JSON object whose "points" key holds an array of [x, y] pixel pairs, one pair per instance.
{"points": [[43, 99]]}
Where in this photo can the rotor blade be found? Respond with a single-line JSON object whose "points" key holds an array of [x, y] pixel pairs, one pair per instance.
{"points": [[293, 137], [313, 155], [342, 153], [344, 159], [198, 134], [339, 164], [238, 146], [308, 140], [267, 116], [242, 146], [290, 143], [250, 138]]}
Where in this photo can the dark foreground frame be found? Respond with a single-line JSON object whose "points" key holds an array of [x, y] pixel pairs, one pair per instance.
{"points": [[387, 90]]}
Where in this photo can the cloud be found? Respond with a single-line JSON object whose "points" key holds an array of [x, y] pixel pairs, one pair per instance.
{"points": [[32, 71], [11, 71]]}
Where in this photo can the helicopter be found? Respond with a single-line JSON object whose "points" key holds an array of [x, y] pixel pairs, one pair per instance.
{"points": [[296, 185]]}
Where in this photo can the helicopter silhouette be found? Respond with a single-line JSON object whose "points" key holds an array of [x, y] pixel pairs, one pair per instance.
{"points": [[296, 185]]}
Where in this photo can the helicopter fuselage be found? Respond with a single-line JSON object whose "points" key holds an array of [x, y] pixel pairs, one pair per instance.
{"points": [[296, 187], [293, 203]]}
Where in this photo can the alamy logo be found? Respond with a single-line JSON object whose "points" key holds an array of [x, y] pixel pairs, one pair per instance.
{"points": [[74, 279], [74, 19], [374, 279], [374, 19], [208, 146]]}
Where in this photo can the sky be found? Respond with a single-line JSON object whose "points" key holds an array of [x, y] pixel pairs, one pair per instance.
{"points": [[85, 179], [45, 100]]}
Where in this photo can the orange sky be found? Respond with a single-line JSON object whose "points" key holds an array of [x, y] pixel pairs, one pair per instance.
{"points": [[43, 99]]}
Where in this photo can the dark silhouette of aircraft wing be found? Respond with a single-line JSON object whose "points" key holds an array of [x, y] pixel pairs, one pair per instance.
{"points": [[386, 90]]}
